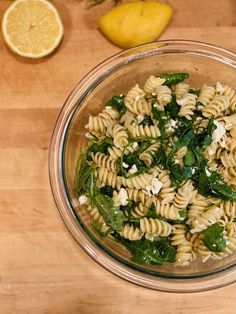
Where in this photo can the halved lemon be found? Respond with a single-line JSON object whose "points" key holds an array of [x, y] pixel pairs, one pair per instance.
{"points": [[32, 28]]}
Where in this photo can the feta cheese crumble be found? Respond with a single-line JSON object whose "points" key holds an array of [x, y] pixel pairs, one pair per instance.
{"points": [[125, 165], [133, 169], [123, 197], [219, 132], [156, 186], [219, 88], [83, 199]]}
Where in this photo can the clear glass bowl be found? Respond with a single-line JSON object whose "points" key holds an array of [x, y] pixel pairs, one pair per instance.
{"points": [[116, 75]]}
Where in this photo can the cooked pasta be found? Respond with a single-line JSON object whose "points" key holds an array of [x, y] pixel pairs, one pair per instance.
{"points": [[155, 227], [185, 254], [131, 233], [159, 172]]}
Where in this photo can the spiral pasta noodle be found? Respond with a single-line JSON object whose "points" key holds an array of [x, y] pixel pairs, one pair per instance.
{"points": [[180, 90], [137, 182], [183, 196], [140, 130], [131, 233], [164, 95], [120, 136], [155, 227], [104, 161], [185, 253], [106, 177], [206, 219], [147, 155], [216, 107], [136, 195], [207, 93], [167, 192], [152, 84], [188, 105]]}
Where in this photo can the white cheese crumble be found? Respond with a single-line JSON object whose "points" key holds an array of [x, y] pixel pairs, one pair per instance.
{"points": [[125, 165], [219, 132], [156, 185], [83, 199], [133, 169], [140, 118], [193, 170], [173, 123], [108, 107], [155, 105], [219, 88], [137, 98], [135, 145], [207, 172], [123, 197]]}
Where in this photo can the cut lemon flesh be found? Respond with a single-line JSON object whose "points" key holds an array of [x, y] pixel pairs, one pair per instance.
{"points": [[134, 23], [32, 28]]}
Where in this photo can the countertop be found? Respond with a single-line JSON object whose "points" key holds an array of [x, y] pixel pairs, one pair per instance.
{"points": [[42, 269]]}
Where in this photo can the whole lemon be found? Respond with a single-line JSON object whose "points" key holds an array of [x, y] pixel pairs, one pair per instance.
{"points": [[134, 23]]}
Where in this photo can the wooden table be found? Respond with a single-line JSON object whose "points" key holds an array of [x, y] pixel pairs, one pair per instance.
{"points": [[42, 269]]}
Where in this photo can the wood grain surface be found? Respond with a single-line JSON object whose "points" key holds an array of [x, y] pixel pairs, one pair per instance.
{"points": [[42, 269]]}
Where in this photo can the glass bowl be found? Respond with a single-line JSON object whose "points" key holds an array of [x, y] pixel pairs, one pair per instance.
{"points": [[206, 64]]}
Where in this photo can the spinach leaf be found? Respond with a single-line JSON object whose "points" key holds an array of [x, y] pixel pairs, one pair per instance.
{"points": [[160, 116], [159, 157], [112, 215], [152, 211], [194, 91], [107, 190], [83, 172], [128, 208], [100, 146], [147, 121], [90, 188], [187, 172], [174, 78], [189, 158], [172, 109], [214, 238], [146, 252], [117, 102], [204, 138]]}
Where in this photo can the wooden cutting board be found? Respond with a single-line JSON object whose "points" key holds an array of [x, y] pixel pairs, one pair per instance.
{"points": [[42, 269]]}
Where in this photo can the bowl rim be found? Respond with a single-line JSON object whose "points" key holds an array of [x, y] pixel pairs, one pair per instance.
{"points": [[110, 262]]}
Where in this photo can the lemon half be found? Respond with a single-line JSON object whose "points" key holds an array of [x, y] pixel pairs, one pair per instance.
{"points": [[32, 28], [134, 23]]}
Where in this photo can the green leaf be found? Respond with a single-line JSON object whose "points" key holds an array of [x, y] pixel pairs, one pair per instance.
{"points": [[147, 121], [107, 190], [160, 116], [83, 172], [214, 238], [112, 215], [188, 172], [100, 146], [189, 158], [194, 91], [129, 207], [152, 211], [174, 78], [172, 109], [156, 253], [117, 102]]}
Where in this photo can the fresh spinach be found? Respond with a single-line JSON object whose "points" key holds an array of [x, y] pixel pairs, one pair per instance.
{"points": [[107, 190], [214, 238], [174, 78], [172, 109], [146, 252], [204, 138], [147, 121], [83, 172], [189, 158], [118, 103], [160, 116], [194, 91], [112, 215], [100, 146]]}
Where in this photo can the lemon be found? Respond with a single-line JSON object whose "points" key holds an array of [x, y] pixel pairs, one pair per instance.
{"points": [[134, 23], [32, 28]]}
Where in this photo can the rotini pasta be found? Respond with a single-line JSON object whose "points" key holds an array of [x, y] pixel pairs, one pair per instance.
{"points": [[155, 227]]}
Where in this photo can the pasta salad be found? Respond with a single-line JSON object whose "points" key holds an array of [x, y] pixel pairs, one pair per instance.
{"points": [[159, 172]]}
